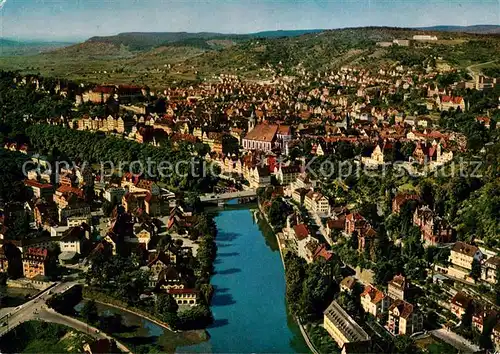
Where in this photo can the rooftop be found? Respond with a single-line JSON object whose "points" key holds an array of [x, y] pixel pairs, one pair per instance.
{"points": [[345, 324], [262, 132]]}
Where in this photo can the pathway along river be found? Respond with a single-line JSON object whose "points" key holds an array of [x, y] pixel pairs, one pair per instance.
{"points": [[249, 301]]}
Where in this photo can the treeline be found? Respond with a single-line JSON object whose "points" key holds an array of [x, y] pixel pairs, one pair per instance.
{"points": [[22, 103], [65, 302], [11, 176], [177, 168], [310, 287]]}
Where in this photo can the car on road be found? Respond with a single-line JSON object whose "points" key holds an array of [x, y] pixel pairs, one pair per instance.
{"points": [[4, 324]]}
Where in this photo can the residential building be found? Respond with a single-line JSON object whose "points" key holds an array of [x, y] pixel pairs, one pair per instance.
{"points": [[78, 220], [400, 200], [404, 319], [40, 190], [259, 177], [495, 337], [35, 261], [483, 315], [434, 229], [347, 284], [72, 240], [160, 262], [317, 203], [300, 238], [286, 174], [354, 222], [114, 195], [460, 304], [58, 231], [4, 262], [490, 269], [398, 287], [447, 102], [184, 296], [374, 301], [344, 330], [463, 254]]}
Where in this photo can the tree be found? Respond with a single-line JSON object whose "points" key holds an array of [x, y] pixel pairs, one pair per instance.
{"points": [[196, 317], [107, 208], [165, 304], [497, 287], [405, 344], [294, 273], [475, 272], [111, 324], [165, 242], [89, 312]]}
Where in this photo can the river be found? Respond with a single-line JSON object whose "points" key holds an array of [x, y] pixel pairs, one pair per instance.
{"points": [[249, 302]]}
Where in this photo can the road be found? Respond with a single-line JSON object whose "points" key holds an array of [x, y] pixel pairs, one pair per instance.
{"points": [[228, 196], [455, 340], [52, 316], [472, 72], [26, 311], [36, 309]]}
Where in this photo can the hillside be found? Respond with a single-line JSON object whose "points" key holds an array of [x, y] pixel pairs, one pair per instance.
{"points": [[140, 41], [188, 57], [477, 29], [10, 47], [137, 41]]}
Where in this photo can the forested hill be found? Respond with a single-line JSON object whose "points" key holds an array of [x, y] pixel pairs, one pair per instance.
{"points": [[148, 40], [159, 59]]}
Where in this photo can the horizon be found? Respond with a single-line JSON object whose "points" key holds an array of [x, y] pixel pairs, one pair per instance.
{"points": [[77, 40], [72, 20]]}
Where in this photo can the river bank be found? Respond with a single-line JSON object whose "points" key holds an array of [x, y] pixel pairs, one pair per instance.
{"points": [[249, 307], [143, 335], [281, 246]]}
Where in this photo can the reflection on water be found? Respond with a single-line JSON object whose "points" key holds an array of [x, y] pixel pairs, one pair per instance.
{"points": [[249, 301], [138, 331]]}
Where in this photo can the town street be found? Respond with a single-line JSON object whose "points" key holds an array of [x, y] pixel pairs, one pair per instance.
{"points": [[36, 309]]}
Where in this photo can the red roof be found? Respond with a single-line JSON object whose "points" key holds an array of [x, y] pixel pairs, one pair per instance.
{"points": [[36, 184], [262, 132], [65, 189], [182, 291], [301, 231], [322, 252], [104, 89], [375, 295], [450, 99]]}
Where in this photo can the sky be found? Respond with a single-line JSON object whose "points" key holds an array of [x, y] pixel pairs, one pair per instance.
{"points": [[81, 19]]}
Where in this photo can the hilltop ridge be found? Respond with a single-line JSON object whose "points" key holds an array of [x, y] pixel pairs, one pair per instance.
{"points": [[157, 59]]}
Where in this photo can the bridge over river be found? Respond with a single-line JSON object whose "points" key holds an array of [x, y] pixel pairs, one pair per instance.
{"points": [[223, 197]]}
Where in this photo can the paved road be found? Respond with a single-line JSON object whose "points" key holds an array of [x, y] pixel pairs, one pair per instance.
{"points": [[26, 311], [37, 309], [228, 196], [472, 72], [50, 315], [455, 340]]}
